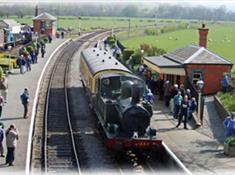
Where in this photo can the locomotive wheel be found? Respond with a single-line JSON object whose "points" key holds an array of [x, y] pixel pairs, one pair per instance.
{"points": [[119, 155], [142, 155], [101, 131]]}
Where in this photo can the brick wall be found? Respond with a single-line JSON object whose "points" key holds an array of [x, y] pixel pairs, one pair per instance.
{"points": [[212, 76], [37, 26]]}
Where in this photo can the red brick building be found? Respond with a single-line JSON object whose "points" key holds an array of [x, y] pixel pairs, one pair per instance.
{"points": [[44, 24], [190, 64]]}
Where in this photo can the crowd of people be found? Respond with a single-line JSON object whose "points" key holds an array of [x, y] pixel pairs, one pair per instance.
{"points": [[177, 98], [25, 60]]}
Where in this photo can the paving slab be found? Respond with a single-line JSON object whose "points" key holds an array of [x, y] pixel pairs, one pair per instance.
{"points": [[200, 152], [13, 109]]}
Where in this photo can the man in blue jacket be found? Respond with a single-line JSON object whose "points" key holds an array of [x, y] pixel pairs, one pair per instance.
{"points": [[25, 101], [177, 104], [229, 124]]}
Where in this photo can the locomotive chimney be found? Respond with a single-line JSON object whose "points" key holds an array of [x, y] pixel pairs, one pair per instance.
{"points": [[135, 94], [36, 10], [203, 31]]}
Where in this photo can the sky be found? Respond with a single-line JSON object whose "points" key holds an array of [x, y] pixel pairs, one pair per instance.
{"points": [[229, 4]]}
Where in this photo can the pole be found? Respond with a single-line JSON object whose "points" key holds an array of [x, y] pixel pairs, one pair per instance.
{"points": [[129, 27], [156, 20], [199, 106], [79, 30]]}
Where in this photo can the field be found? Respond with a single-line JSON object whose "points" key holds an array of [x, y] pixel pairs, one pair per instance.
{"points": [[89, 23], [221, 40]]}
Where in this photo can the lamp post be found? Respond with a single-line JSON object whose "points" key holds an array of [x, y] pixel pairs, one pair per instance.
{"points": [[200, 85], [36, 35], [79, 25], [9, 59]]}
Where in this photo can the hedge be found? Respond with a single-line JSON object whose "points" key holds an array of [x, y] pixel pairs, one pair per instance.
{"points": [[126, 54], [228, 100]]}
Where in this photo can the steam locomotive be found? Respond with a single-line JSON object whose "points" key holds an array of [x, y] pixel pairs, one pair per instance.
{"points": [[117, 98]]}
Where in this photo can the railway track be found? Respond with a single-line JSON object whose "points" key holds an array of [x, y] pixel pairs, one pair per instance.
{"points": [[59, 146], [53, 148], [60, 153]]}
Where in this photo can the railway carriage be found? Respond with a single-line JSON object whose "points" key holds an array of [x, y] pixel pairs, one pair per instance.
{"points": [[116, 95]]}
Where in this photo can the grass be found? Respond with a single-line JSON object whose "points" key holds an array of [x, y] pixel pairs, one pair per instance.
{"points": [[88, 23], [221, 40]]}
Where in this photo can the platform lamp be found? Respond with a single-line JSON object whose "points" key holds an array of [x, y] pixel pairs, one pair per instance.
{"points": [[9, 58], [200, 85], [142, 54], [36, 35]]}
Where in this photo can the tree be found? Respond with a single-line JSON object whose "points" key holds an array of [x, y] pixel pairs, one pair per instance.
{"points": [[130, 11]]}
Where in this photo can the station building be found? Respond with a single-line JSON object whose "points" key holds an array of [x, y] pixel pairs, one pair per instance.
{"points": [[44, 23], [191, 63]]}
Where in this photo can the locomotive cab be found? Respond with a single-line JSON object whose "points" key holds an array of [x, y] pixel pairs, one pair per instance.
{"points": [[109, 90]]}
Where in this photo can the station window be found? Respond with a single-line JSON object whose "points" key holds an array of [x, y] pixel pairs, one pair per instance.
{"points": [[197, 75]]}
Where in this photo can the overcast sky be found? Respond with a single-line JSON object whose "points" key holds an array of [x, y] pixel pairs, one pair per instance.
{"points": [[230, 4]]}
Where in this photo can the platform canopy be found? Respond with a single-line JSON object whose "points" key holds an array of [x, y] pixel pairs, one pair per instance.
{"points": [[163, 65]]}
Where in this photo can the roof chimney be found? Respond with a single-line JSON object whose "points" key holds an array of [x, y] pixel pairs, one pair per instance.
{"points": [[203, 31], [36, 10]]}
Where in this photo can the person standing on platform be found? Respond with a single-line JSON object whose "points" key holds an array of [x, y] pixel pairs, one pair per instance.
{"points": [[22, 65], [182, 90], [42, 52], [177, 104], [184, 112], [4, 88], [49, 38], [1, 104], [149, 96], [229, 124], [25, 101], [192, 107], [62, 35], [174, 92], [188, 93], [167, 92], [11, 142], [1, 139], [28, 62]]}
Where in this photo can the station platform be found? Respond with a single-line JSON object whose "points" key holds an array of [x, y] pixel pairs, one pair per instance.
{"points": [[200, 149], [13, 109]]}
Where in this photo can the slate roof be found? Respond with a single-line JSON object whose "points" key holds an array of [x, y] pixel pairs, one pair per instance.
{"points": [[100, 60], [182, 54], [10, 22], [45, 16], [162, 61], [195, 55]]}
